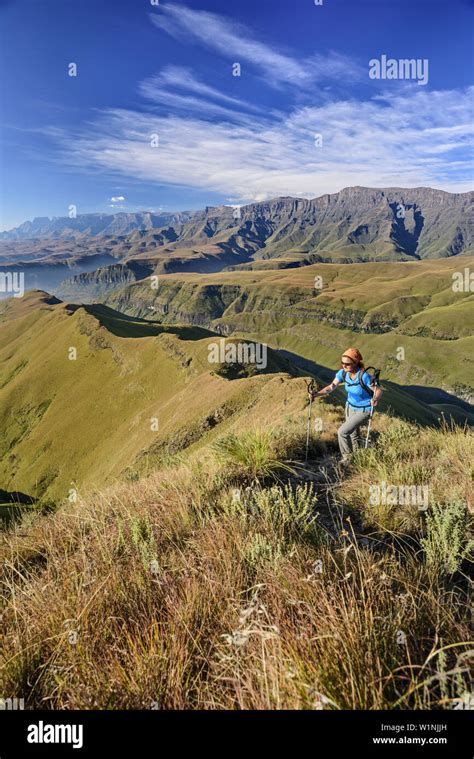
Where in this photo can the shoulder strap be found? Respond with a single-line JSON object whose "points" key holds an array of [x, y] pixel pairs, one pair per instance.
{"points": [[374, 379]]}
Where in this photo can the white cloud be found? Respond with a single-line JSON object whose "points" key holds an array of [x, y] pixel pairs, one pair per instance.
{"points": [[162, 86], [236, 42], [216, 142], [117, 199], [404, 140], [176, 101]]}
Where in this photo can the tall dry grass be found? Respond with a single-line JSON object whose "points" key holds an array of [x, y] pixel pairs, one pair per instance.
{"points": [[175, 593], [404, 454]]}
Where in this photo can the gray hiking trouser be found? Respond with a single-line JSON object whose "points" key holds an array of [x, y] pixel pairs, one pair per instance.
{"points": [[348, 433]]}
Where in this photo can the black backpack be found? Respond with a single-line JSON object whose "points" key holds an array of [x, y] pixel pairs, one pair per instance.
{"points": [[374, 377]]}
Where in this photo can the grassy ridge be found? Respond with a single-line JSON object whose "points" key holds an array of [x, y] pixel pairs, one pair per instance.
{"points": [[136, 393], [67, 423], [174, 593], [225, 573]]}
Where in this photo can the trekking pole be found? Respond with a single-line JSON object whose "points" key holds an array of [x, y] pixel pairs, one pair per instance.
{"points": [[368, 428], [310, 386]]}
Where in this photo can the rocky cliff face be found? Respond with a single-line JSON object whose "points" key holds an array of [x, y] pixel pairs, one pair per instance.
{"points": [[97, 284], [420, 221], [414, 223], [355, 225]]}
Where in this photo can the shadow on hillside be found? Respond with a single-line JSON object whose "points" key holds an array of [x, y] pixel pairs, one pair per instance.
{"points": [[436, 395], [13, 505], [122, 325], [16, 497]]}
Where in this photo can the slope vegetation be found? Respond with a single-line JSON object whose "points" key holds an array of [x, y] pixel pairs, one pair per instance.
{"points": [[406, 317], [229, 583], [84, 391]]}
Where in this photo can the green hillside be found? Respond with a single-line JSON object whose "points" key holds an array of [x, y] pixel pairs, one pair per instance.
{"points": [[76, 422], [233, 580], [228, 571], [136, 393], [404, 317]]}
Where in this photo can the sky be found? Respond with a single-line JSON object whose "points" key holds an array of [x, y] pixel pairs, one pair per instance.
{"points": [[179, 105]]}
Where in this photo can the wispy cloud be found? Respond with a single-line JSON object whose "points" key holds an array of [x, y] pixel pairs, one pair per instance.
{"points": [[183, 78], [217, 142], [173, 85], [236, 42], [408, 140]]}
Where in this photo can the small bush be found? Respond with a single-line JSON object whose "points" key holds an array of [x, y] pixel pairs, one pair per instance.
{"points": [[259, 550], [446, 544], [47, 506], [291, 512], [252, 454], [141, 533], [287, 512]]}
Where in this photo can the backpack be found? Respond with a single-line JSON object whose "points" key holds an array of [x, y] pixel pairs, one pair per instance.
{"points": [[375, 378]]}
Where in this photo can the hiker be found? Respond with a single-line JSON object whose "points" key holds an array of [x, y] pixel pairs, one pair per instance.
{"points": [[361, 400]]}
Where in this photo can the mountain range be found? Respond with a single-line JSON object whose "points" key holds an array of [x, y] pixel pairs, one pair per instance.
{"points": [[93, 224], [355, 225]]}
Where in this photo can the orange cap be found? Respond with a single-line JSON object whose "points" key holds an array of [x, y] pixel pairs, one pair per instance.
{"points": [[353, 354]]}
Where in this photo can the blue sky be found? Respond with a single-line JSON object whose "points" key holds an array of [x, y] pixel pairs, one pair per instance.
{"points": [[167, 70]]}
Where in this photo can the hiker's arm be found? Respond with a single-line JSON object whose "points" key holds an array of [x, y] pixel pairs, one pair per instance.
{"points": [[376, 396], [328, 388]]}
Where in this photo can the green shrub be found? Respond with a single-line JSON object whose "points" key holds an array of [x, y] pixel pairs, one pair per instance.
{"points": [[446, 544], [259, 550], [143, 539], [252, 454], [287, 512]]}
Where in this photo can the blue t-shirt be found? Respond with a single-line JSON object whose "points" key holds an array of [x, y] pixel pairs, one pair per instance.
{"points": [[357, 397]]}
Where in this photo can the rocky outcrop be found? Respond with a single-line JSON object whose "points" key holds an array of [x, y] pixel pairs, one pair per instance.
{"points": [[97, 284]]}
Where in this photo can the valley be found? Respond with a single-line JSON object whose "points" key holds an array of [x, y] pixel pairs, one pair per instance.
{"points": [[69, 424], [400, 314]]}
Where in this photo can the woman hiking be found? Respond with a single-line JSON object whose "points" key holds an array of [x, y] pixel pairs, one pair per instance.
{"points": [[360, 399]]}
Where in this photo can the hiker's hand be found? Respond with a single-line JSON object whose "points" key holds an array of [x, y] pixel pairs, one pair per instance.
{"points": [[373, 402]]}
